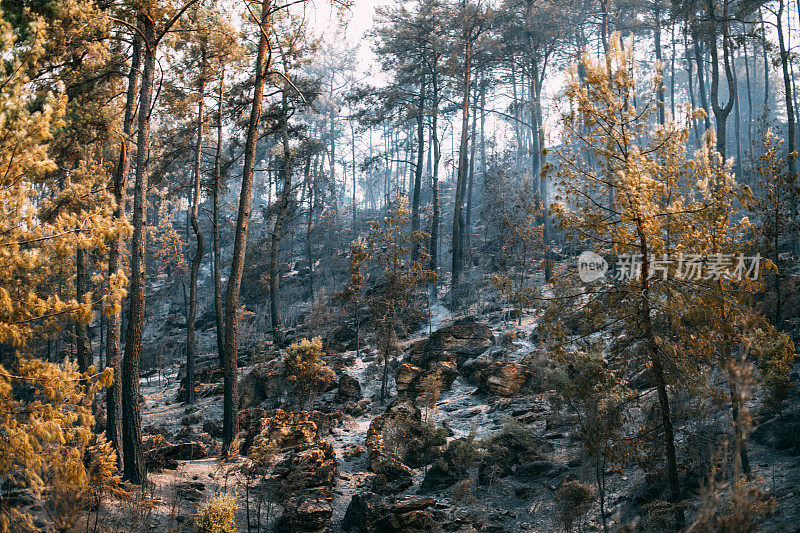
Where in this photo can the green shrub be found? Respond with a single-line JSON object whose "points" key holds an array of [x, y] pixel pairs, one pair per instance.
{"points": [[433, 436], [573, 499], [775, 358], [303, 365], [217, 515]]}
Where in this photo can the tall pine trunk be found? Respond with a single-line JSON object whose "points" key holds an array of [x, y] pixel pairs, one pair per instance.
{"points": [[218, 313], [788, 93], [135, 470], [721, 112], [433, 250], [415, 197], [458, 211], [198, 255], [83, 346], [309, 227], [114, 324], [277, 229], [660, 381], [230, 422]]}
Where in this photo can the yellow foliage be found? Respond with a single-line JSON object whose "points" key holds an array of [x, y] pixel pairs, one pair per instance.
{"points": [[43, 220], [217, 515], [48, 443], [303, 365]]}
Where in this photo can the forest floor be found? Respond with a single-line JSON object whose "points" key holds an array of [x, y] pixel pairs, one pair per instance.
{"points": [[508, 504]]}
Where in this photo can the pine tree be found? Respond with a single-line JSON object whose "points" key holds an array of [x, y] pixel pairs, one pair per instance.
{"points": [[397, 278]]}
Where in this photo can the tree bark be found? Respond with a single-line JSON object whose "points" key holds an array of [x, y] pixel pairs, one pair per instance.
{"points": [[458, 215], [277, 229], [415, 198], [218, 313], [83, 347], [701, 80], [230, 423], [466, 229], [309, 226], [198, 255], [135, 470], [661, 386], [657, 44], [721, 113], [436, 211], [791, 160]]}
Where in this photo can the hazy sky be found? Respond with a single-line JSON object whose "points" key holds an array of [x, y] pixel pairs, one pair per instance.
{"points": [[357, 20]]}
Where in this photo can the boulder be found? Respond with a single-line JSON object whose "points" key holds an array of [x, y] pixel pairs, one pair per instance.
{"points": [[186, 433], [349, 390], [356, 409], [283, 429], [307, 469], [405, 378], [402, 423], [455, 343], [368, 513], [502, 379], [510, 453], [162, 454], [192, 419], [263, 386], [212, 428], [449, 469], [305, 515], [304, 478], [471, 368], [192, 491], [441, 354]]}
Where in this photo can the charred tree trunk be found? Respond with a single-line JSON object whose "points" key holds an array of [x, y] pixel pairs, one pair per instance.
{"points": [[309, 226], [458, 211], [660, 381], [198, 254], [721, 112], [436, 211], [466, 230], [657, 44], [83, 346], [114, 324], [788, 93], [415, 197], [135, 470], [230, 424], [218, 313], [698, 56], [277, 229]]}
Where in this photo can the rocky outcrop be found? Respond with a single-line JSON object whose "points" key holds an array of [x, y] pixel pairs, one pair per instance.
{"points": [[447, 471], [207, 379], [306, 472], [263, 386], [342, 339], [162, 454], [368, 513], [441, 355], [392, 439], [349, 390], [282, 429], [406, 378], [471, 368], [306, 477], [502, 379], [515, 451], [305, 515]]}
